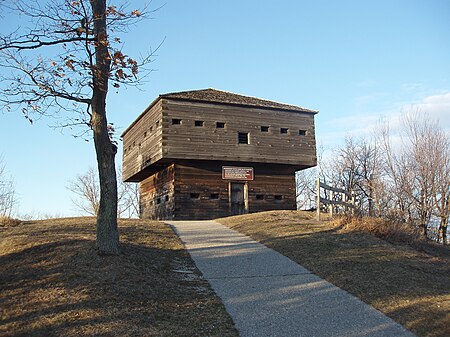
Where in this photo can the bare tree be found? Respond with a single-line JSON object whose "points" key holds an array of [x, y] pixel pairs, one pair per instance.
{"points": [[305, 181], [7, 192], [441, 194], [62, 65], [357, 169], [86, 188], [87, 191], [422, 148]]}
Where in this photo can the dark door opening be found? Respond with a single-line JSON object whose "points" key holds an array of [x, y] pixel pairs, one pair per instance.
{"points": [[237, 198]]}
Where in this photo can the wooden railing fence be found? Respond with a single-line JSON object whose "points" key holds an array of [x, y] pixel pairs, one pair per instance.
{"points": [[338, 197]]}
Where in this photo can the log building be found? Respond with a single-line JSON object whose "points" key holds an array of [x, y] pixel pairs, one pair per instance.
{"points": [[208, 153]]}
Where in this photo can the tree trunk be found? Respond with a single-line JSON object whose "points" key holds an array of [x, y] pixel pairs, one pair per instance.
{"points": [[107, 233]]}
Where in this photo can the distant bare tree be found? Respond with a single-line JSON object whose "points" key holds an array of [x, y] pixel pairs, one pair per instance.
{"points": [[7, 192], [441, 194], [357, 169], [128, 197], [423, 146], [305, 181], [87, 189]]}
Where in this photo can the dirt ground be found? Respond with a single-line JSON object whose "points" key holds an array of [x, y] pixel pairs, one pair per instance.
{"points": [[52, 283], [410, 286]]}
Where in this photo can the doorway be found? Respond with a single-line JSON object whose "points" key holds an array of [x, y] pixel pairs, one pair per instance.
{"points": [[238, 198]]}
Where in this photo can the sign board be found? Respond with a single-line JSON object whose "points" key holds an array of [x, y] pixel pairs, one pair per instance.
{"points": [[237, 173]]}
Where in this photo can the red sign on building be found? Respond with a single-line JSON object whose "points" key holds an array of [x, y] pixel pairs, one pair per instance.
{"points": [[237, 173]]}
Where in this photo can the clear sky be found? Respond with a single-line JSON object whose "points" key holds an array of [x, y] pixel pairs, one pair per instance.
{"points": [[354, 61]]}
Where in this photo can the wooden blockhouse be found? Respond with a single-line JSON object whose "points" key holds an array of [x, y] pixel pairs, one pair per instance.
{"points": [[205, 154]]}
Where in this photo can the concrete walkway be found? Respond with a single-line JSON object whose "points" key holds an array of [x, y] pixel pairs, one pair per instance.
{"points": [[268, 294]]}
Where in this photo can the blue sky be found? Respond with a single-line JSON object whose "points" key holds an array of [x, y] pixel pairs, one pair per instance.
{"points": [[354, 61]]}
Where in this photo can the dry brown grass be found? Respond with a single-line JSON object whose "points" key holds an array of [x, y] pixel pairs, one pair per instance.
{"points": [[6, 221], [408, 285], [54, 284]]}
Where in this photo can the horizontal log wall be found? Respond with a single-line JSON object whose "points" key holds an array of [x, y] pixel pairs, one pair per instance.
{"points": [[157, 200], [206, 181], [207, 142], [142, 144]]}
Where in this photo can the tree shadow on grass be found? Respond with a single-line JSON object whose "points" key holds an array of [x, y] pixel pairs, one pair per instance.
{"points": [[63, 288]]}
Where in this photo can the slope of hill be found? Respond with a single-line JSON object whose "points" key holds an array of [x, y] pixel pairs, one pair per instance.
{"points": [[409, 286], [54, 284]]}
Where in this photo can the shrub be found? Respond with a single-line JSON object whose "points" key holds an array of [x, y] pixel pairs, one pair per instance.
{"points": [[6, 221], [384, 229]]}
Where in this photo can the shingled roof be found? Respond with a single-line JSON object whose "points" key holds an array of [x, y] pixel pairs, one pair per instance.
{"points": [[218, 96]]}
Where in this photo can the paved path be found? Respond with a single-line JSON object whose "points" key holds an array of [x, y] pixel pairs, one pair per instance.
{"points": [[268, 294]]}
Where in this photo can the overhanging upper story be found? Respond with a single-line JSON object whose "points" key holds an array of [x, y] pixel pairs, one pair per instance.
{"points": [[216, 125]]}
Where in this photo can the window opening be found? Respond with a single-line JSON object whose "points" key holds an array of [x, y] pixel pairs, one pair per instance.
{"points": [[166, 198], [158, 201], [284, 130], [195, 195], [264, 129], [220, 125], [199, 123], [302, 132], [278, 197], [214, 196], [176, 121], [243, 138], [259, 196]]}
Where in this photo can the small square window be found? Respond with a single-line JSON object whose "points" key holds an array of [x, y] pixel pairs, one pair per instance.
{"points": [[302, 132], [195, 195], [278, 197], [220, 125], [284, 130], [214, 196], [243, 138], [176, 121], [199, 123], [264, 129], [259, 196]]}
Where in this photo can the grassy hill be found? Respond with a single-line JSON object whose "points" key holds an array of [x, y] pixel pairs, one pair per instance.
{"points": [[410, 286], [52, 283]]}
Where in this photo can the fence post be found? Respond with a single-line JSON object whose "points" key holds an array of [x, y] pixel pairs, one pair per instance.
{"points": [[331, 204], [318, 198], [353, 203]]}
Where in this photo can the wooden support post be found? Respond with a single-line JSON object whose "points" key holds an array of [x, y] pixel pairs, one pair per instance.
{"points": [[331, 203], [353, 202], [318, 198]]}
